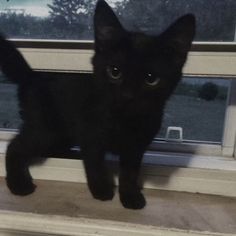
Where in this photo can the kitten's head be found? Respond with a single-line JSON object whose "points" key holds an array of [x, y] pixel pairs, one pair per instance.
{"points": [[137, 66]]}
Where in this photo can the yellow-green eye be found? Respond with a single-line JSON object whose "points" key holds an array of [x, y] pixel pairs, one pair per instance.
{"points": [[114, 73], [151, 80]]}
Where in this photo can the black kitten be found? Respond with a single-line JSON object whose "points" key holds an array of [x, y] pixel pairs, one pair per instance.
{"points": [[119, 110]]}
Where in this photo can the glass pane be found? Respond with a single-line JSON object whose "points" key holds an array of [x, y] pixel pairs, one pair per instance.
{"points": [[198, 107], [72, 19], [9, 115]]}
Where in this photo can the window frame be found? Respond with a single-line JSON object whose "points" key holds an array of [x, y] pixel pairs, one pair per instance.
{"points": [[214, 59], [73, 56]]}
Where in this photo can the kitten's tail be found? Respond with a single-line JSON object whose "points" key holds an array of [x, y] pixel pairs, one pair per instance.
{"points": [[12, 63]]}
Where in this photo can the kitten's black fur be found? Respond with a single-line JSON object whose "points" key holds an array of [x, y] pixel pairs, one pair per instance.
{"points": [[119, 110]]}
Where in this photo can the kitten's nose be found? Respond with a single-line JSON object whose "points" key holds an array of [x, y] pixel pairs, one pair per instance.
{"points": [[127, 95]]}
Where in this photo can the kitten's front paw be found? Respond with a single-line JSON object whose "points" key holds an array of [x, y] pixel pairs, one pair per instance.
{"points": [[102, 192], [20, 186], [133, 200]]}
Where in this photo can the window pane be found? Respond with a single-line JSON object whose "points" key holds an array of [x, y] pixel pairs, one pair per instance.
{"points": [[9, 116], [198, 107], [46, 19]]}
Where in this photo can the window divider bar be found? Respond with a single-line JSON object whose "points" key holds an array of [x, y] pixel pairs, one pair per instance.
{"points": [[229, 136], [199, 63], [197, 46]]}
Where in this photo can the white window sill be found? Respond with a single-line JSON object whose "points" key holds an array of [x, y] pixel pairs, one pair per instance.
{"points": [[203, 175], [168, 171]]}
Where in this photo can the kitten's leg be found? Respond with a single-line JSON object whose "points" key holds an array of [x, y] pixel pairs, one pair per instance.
{"points": [[100, 182], [25, 149], [129, 189], [18, 159]]}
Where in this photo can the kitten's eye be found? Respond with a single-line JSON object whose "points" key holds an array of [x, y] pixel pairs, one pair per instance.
{"points": [[151, 80], [114, 73]]}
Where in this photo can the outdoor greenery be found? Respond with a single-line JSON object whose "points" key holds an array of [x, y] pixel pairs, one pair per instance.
{"points": [[67, 20], [216, 19], [208, 91]]}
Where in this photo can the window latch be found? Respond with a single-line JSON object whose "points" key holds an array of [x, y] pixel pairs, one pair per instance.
{"points": [[174, 129]]}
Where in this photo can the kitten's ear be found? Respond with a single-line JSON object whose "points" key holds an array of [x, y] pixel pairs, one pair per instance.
{"points": [[180, 34], [108, 29]]}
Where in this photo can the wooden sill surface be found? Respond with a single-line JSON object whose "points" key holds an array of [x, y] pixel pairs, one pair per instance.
{"points": [[172, 210]]}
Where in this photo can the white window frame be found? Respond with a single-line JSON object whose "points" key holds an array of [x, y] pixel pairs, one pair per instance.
{"points": [[205, 59]]}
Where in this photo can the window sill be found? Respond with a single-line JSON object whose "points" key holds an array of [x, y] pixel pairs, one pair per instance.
{"points": [[217, 177], [60, 208]]}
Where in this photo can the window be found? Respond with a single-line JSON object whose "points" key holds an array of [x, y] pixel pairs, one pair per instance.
{"points": [[185, 110], [48, 19], [29, 23]]}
